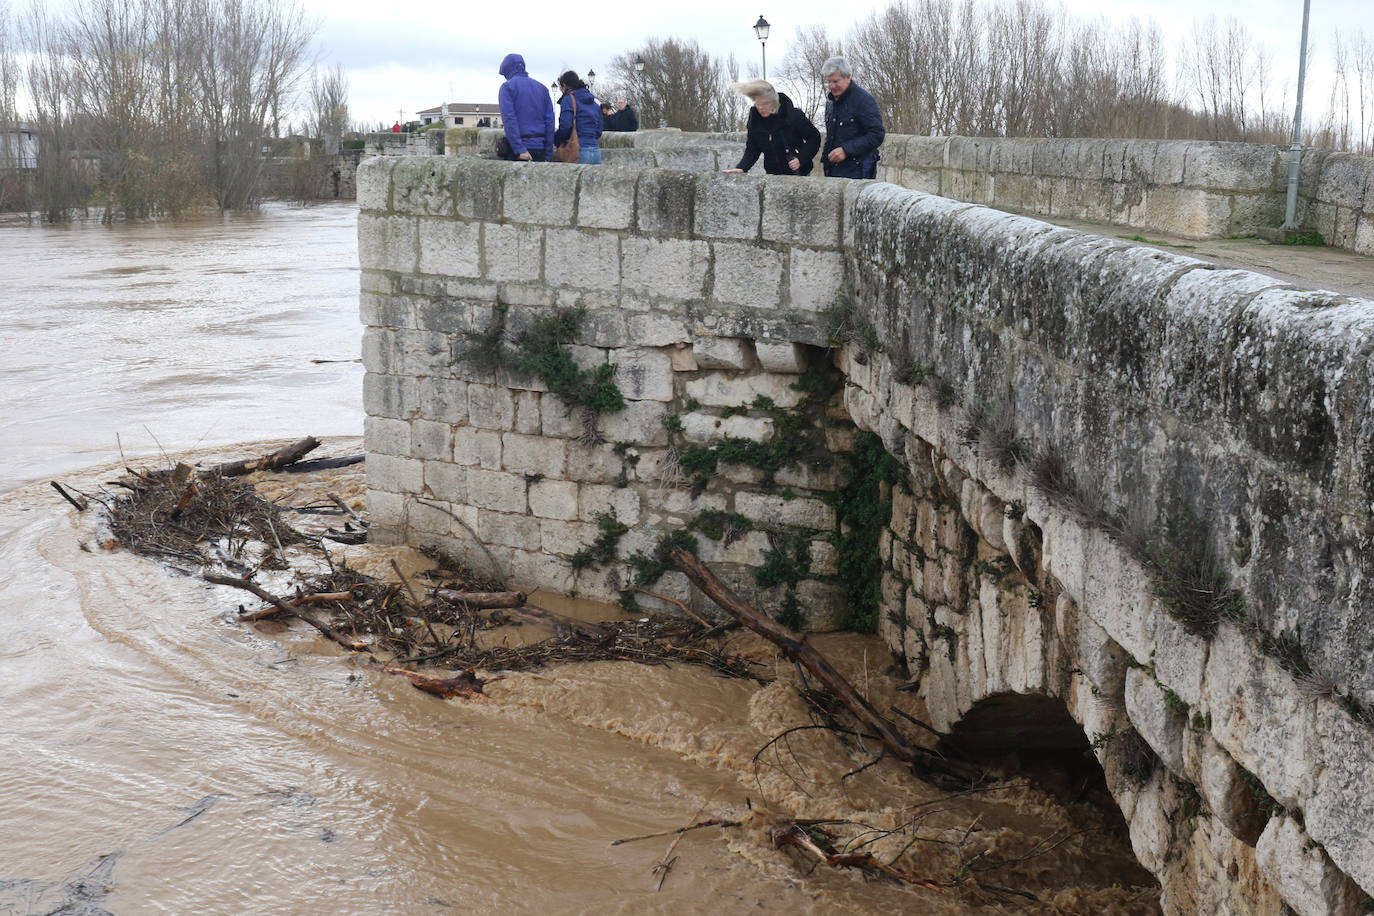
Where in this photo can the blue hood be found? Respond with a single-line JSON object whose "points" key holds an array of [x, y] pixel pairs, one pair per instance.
{"points": [[513, 65]]}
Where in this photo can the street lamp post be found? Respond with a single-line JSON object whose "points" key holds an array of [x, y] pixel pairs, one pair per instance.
{"points": [[1290, 213], [639, 77], [761, 30], [591, 79]]}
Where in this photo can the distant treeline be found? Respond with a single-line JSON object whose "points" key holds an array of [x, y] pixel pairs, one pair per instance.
{"points": [[1021, 68], [152, 107]]}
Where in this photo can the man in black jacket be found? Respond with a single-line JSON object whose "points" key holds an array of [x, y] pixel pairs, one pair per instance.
{"points": [[853, 125], [624, 119]]}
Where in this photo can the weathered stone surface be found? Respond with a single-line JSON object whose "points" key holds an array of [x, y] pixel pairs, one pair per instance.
{"points": [[670, 268], [723, 353], [746, 274], [727, 207], [1310, 884]]}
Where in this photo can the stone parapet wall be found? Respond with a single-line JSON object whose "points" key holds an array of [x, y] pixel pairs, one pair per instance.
{"points": [[706, 293], [1079, 422], [1192, 188]]}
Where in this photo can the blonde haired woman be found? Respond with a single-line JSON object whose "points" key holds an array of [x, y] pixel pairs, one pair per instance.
{"points": [[778, 131]]}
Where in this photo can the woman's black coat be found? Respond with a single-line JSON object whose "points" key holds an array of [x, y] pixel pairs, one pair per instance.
{"points": [[785, 134]]}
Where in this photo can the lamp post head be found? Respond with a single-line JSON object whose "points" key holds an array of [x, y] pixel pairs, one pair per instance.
{"points": [[639, 64], [591, 76], [761, 28]]}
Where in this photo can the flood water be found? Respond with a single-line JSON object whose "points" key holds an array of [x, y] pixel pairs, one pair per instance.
{"points": [[158, 755]]}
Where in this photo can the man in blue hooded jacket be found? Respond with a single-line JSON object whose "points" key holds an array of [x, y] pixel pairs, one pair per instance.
{"points": [[526, 112]]}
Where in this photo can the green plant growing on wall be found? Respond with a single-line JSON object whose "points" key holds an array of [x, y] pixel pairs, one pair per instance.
{"points": [[718, 525], [1306, 237], [649, 568], [992, 431], [541, 352], [1188, 577], [863, 508], [602, 550]]}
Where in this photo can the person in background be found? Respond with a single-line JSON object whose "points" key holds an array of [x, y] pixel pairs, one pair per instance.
{"points": [[853, 124], [395, 128], [778, 131], [588, 118], [623, 119], [526, 112]]}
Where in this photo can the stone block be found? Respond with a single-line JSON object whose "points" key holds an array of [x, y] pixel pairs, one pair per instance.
{"points": [[665, 267], [540, 195], [373, 181], [533, 455], [593, 463], [1303, 873], [1230, 797], [578, 258], [815, 279], [641, 422], [801, 512], [477, 447], [554, 499], [802, 211], [747, 275], [664, 201], [444, 399], [644, 374], [431, 440], [781, 356], [450, 248], [595, 499], [491, 407], [508, 530], [750, 549], [564, 539], [394, 474], [383, 436], [606, 199], [657, 330], [448, 482], [1158, 721], [430, 516], [680, 502], [700, 427], [387, 243], [1341, 805], [424, 354], [497, 490], [386, 510], [727, 207], [384, 310], [513, 252], [394, 396], [723, 353], [721, 390]]}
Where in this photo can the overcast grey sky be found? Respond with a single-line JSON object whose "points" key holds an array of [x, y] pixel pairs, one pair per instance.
{"points": [[402, 57]]}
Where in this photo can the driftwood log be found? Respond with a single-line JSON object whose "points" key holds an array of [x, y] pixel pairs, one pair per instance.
{"points": [[925, 763], [283, 456]]}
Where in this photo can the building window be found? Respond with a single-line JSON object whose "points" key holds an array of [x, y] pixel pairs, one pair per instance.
{"points": [[457, 121]]}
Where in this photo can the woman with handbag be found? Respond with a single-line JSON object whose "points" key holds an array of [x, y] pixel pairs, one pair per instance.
{"points": [[579, 123]]}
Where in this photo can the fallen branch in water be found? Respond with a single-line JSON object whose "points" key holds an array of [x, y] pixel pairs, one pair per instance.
{"points": [[464, 684], [66, 494], [926, 764], [482, 600], [283, 456], [713, 822], [284, 605], [798, 837]]}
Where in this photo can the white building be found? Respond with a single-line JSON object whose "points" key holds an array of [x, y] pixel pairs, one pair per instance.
{"points": [[461, 114]]}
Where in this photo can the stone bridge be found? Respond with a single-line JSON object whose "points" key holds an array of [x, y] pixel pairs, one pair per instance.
{"points": [[1089, 493]]}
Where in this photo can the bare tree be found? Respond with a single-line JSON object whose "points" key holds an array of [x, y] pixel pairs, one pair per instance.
{"points": [[328, 117], [682, 85], [252, 56], [60, 184], [799, 74]]}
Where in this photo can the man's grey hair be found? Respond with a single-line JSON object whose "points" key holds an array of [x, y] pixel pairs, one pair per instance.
{"points": [[760, 89], [836, 64]]}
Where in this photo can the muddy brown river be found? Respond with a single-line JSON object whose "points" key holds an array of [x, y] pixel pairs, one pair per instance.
{"points": [[159, 755]]}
